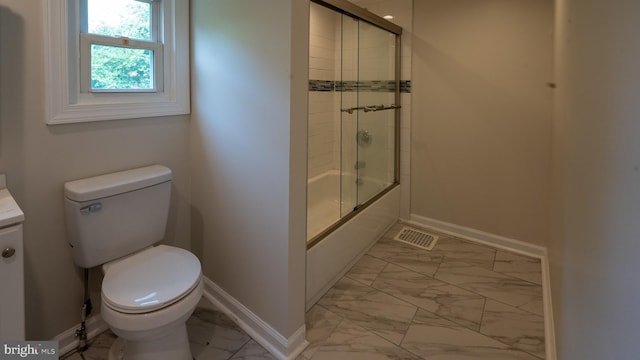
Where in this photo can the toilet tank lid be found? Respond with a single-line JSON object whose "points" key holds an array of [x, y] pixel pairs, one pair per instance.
{"points": [[116, 183]]}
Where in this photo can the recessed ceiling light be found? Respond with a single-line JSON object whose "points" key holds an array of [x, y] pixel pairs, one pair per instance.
{"points": [[388, 17]]}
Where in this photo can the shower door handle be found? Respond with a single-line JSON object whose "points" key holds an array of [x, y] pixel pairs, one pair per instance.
{"points": [[381, 107], [370, 108], [373, 108]]}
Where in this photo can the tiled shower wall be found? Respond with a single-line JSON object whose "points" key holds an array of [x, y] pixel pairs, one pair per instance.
{"points": [[323, 124]]}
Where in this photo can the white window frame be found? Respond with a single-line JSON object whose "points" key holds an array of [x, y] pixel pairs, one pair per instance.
{"points": [[65, 100]]}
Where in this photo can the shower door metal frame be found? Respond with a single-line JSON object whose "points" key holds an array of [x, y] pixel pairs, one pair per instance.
{"points": [[348, 8]]}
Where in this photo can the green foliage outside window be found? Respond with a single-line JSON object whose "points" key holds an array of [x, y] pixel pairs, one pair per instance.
{"points": [[119, 67]]}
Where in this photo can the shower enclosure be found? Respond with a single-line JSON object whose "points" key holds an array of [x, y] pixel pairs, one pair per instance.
{"points": [[354, 97], [353, 115]]}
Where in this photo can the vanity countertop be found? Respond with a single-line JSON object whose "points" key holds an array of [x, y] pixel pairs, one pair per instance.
{"points": [[10, 212]]}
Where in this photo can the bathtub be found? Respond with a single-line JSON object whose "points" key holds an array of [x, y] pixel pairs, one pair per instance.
{"points": [[331, 257], [323, 202], [323, 199]]}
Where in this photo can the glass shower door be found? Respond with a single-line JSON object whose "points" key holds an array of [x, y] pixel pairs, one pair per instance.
{"points": [[352, 121], [348, 89], [376, 122]]}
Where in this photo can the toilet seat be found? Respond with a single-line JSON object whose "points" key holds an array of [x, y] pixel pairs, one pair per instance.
{"points": [[150, 280]]}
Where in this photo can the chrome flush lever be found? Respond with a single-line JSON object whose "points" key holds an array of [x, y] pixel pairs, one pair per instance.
{"points": [[91, 208]]}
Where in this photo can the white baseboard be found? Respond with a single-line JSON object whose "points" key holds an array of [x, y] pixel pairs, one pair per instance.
{"points": [[508, 244], [67, 341], [279, 346], [479, 236], [549, 330]]}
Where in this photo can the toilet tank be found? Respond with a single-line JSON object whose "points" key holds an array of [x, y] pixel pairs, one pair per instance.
{"points": [[113, 215]]}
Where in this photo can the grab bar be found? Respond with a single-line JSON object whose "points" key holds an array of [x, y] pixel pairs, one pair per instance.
{"points": [[369, 108]]}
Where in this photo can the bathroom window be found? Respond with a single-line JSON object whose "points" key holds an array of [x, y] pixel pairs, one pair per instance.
{"points": [[116, 59], [120, 46]]}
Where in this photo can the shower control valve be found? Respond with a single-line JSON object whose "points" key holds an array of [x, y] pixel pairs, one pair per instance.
{"points": [[364, 137]]}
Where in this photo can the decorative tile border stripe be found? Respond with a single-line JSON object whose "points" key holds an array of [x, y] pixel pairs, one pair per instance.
{"points": [[322, 85], [372, 86], [405, 86]]}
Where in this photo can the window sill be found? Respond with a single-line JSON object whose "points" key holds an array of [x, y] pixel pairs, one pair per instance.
{"points": [[100, 112]]}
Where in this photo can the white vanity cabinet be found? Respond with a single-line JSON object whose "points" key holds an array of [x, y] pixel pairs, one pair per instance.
{"points": [[11, 268], [12, 284]]}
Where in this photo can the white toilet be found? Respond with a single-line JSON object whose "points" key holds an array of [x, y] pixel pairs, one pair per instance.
{"points": [[148, 292]]}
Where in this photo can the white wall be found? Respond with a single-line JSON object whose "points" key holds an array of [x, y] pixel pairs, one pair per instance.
{"points": [[481, 115], [248, 152], [595, 247], [38, 159]]}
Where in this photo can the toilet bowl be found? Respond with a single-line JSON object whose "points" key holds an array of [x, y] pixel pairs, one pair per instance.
{"points": [[148, 292], [161, 334], [146, 301]]}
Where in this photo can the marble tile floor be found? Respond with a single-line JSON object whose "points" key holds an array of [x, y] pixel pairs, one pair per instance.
{"points": [[213, 336], [459, 301]]}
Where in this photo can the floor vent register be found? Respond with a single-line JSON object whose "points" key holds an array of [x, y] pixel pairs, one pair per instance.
{"points": [[417, 238]]}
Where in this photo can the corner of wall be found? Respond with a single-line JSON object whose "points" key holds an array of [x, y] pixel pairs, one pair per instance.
{"points": [[281, 347]]}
